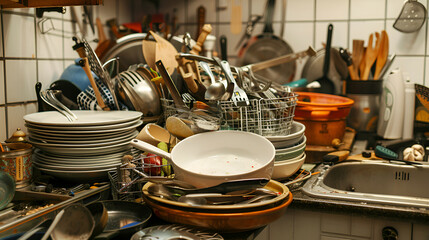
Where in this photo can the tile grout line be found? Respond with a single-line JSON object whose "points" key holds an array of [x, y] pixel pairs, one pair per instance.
{"points": [[4, 75]]}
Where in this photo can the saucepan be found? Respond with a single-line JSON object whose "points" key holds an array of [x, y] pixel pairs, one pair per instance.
{"points": [[211, 158]]}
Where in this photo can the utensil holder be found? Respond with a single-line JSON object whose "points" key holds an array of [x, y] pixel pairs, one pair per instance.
{"points": [[364, 112]]}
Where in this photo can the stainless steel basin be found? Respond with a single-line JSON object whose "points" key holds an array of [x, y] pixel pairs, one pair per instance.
{"points": [[372, 181]]}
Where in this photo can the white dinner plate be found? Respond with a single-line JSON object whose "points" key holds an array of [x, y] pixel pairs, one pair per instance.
{"points": [[102, 157], [84, 117], [85, 141], [83, 132], [84, 145], [79, 137], [85, 128], [68, 151]]}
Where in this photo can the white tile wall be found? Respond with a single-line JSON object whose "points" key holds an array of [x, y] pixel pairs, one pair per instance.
{"points": [[21, 76], [2, 90], [44, 56]]}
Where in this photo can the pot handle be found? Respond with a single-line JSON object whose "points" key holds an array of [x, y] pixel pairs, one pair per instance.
{"points": [[320, 111], [144, 146]]}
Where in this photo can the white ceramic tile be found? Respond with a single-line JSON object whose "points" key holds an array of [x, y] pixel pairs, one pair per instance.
{"points": [[19, 35], [332, 9], [70, 27], [2, 90], [411, 66], [49, 39], [15, 116], [3, 130], [225, 15], [1, 40], [258, 7], [406, 43], [362, 29], [49, 71], [300, 10], [426, 80], [339, 34], [169, 7], [26, 11], [299, 35], [367, 9], [20, 80]]}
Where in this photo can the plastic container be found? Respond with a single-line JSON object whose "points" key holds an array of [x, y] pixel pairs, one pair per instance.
{"points": [[324, 116]]}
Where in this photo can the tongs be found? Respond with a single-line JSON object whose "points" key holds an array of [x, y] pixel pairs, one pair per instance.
{"points": [[49, 98]]}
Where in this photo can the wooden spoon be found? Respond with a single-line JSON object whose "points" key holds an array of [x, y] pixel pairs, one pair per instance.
{"points": [[149, 52], [383, 53], [357, 54], [371, 54], [165, 52]]}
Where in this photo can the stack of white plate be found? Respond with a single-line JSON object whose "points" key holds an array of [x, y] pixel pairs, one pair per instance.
{"points": [[85, 149], [290, 151]]}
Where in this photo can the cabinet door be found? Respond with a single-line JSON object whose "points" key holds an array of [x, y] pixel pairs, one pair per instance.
{"points": [[420, 231], [403, 229]]}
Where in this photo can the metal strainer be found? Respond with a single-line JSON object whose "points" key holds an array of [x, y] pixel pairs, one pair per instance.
{"points": [[411, 18]]}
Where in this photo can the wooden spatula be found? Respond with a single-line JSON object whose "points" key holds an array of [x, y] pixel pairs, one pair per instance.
{"points": [[357, 54], [166, 52], [371, 53], [383, 53]]}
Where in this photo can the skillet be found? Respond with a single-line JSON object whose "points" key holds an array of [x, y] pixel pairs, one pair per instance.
{"points": [[267, 46]]}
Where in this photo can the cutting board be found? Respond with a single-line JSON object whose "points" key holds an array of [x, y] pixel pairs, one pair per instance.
{"points": [[315, 153]]}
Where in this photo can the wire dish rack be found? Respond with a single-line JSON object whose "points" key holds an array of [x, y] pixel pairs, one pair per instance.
{"points": [[126, 181], [266, 117]]}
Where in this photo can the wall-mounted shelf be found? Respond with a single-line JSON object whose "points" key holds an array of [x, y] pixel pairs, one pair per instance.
{"points": [[46, 3]]}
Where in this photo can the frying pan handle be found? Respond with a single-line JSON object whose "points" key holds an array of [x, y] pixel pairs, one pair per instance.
{"points": [[269, 15], [147, 147], [328, 51]]}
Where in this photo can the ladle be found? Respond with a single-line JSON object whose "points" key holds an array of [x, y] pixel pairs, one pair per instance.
{"points": [[216, 89]]}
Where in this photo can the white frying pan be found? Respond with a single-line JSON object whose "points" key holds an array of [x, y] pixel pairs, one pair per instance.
{"points": [[210, 158]]}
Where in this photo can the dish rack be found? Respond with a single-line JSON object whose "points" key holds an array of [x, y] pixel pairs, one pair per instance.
{"points": [[129, 189], [266, 117]]}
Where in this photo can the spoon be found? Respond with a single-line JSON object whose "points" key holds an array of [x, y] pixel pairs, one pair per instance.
{"points": [[216, 89]]}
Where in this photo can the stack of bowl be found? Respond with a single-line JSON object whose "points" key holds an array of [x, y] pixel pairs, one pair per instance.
{"points": [[290, 151], [226, 217], [84, 149]]}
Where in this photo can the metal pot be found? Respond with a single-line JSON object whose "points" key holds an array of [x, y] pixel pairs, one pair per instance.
{"points": [[124, 219]]}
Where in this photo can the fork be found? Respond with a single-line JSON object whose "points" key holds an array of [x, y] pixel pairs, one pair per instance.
{"points": [[239, 96]]}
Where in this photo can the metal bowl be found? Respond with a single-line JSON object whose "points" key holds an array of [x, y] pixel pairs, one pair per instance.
{"points": [[7, 189]]}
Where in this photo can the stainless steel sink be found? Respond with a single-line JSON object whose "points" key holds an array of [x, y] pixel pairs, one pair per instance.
{"points": [[372, 181]]}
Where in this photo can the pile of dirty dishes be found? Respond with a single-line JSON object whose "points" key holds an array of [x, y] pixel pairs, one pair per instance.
{"points": [[290, 151], [84, 149], [228, 217]]}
